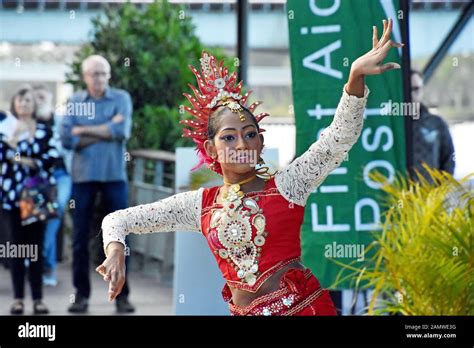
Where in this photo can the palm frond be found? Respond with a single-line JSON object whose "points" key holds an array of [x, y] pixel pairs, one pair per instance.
{"points": [[422, 261]]}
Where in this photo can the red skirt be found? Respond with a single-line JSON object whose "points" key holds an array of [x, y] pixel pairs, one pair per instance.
{"points": [[299, 294]]}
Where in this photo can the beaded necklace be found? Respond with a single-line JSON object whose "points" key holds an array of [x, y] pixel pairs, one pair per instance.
{"points": [[234, 231]]}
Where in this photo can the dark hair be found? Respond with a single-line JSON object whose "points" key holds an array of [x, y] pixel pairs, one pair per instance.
{"points": [[213, 124], [21, 93], [416, 72]]}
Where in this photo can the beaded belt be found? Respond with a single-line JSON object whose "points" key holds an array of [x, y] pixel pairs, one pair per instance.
{"points": [[298, 289]]}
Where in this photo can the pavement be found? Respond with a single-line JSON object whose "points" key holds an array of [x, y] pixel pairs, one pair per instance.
{"points": [[148, 294]]}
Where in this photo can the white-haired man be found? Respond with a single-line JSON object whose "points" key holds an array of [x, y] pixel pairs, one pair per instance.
{"points": [[96, 127]]}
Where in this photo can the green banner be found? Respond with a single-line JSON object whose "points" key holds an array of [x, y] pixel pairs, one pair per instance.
{"points": [[343, 214]]}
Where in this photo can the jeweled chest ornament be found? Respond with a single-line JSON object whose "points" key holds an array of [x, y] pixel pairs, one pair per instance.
{"points": [[233, 224]]}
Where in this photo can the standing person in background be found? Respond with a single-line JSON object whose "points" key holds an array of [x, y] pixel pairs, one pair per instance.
{"points": [[6, 128], [97, 137], [45, 114], [432, 143], [30, 151]]}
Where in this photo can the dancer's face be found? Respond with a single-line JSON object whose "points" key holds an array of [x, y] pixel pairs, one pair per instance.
{"points": [[236, 144]]}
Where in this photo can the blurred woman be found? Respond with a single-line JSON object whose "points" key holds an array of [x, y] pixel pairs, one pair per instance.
{"points": [[28, 152]]}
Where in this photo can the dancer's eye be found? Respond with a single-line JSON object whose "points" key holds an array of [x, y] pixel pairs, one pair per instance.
{"points": [[227, 138], [251, 134]]}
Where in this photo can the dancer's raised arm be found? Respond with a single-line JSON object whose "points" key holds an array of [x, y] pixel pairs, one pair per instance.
{"points": [[304, 174], [307, 172]]}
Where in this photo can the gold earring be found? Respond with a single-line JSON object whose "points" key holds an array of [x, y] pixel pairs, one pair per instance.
{"points": [[263, 171], [213, 163]]}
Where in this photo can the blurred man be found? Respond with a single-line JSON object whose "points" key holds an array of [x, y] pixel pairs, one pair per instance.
{"points": [[432, 143], [96, 126]]}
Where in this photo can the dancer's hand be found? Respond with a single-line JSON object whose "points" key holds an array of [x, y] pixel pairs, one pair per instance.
{"points": [[113, 269], [371, 63]]}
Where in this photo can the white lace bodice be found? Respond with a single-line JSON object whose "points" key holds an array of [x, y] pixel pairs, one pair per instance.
{"points": [[182, 212], [307, 172]]}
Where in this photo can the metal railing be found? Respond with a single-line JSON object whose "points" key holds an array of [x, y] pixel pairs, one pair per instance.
{"points": [[152, 179]]}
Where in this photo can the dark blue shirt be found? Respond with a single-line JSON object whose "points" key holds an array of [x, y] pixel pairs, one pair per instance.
{"points": [[104, 160]]}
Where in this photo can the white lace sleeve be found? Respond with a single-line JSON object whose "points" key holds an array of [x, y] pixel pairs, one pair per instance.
{"points": [[180, 212], [305, 173]]}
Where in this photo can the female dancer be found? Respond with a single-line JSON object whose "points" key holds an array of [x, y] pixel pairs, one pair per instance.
{"points": [[252, 223]]}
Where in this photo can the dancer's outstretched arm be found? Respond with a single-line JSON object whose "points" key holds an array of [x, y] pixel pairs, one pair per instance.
{"points": [[180, 212]]}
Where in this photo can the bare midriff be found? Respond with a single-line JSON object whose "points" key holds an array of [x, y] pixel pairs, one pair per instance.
{"points": [[243, 298]]}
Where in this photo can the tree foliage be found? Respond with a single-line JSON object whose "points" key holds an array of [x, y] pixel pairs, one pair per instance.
{"points": [[149, 51]]}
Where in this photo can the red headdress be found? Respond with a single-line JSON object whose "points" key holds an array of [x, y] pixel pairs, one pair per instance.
{"points": [[216, 86]]}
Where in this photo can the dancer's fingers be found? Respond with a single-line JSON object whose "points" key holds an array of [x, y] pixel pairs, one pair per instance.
{"points": [[387, 32], [101, 269], [375, 38], [116, 284]]}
